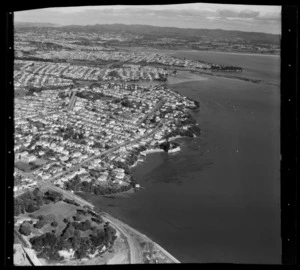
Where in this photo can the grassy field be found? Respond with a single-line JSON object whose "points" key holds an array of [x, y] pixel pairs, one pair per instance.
{"points": [[25, 167], [59, 211]]}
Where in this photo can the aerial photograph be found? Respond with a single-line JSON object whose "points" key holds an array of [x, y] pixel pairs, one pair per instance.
{"points": [[147, 134]]}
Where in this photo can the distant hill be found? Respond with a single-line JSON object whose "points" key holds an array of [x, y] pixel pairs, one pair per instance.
{"points": [[33, 24], [172, 32]]}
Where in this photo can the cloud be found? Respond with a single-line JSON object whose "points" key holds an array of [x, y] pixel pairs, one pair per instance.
{"points": [[185, 16], [248, 14], [271, 16], [227, 13]]}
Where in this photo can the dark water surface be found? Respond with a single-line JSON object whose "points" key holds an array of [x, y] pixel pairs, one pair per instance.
{"points": [[218, 200]]}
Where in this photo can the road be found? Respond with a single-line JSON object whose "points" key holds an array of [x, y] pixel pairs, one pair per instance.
{"points": [[135, 252], [19, 236], [79, 165], [76, 167], [72, 101], [67, 194], [136, 255], [156, 107]]}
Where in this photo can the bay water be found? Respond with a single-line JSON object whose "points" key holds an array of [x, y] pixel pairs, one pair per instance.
{"points": [[218, 199]]}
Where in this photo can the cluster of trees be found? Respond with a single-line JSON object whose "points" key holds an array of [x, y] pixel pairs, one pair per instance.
{"points": [[33, 89], [161, 78], [47, 245], [114, 74], [90, 95], [226, 68], [53, 196], [166, 146], [122, 165], [90, 187], [98, 190], [69, 133], [131, 159], [31, 201], [25, 228], [126, 103], [28, 202], [40, 224], [66, 200]]}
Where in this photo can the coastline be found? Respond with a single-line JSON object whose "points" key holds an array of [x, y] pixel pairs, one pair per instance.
{"points": [[144, 153], [185, 76], [174, 51], [133, 237], [116, 222]]}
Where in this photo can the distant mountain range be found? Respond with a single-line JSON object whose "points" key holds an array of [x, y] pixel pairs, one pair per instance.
{"points": [[33, 24], [168, 32]]}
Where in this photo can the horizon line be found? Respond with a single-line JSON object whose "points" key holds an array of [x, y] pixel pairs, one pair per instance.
{"points": [[62, 25]]}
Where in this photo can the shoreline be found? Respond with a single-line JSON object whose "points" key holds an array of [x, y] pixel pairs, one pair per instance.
{"points": [[185, 76], [145, 238], [132, 235], [151, 151], [171, 51]]}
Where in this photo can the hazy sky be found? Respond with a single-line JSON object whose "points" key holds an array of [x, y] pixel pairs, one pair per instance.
{"points": [[210, 16]]}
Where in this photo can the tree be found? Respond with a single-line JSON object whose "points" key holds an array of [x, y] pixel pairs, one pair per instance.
{"points": [[31, 208], [66, 220], [68, 231], [40, 224], [54, 224], [37, 242], [37, 192], [25, 228], [98, 238], [53, 196], [50, 239], [84, 226]]}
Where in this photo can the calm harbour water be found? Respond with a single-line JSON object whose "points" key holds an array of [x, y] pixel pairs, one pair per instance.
{"points": [[217, 200]]}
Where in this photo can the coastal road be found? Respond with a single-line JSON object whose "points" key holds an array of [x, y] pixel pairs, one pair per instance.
{"points": [[67, 194], [135, 254]]}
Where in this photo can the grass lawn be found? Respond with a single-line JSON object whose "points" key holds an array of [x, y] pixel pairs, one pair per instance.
{"points": [[41, 162], [25, 167], [59, 210]]}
